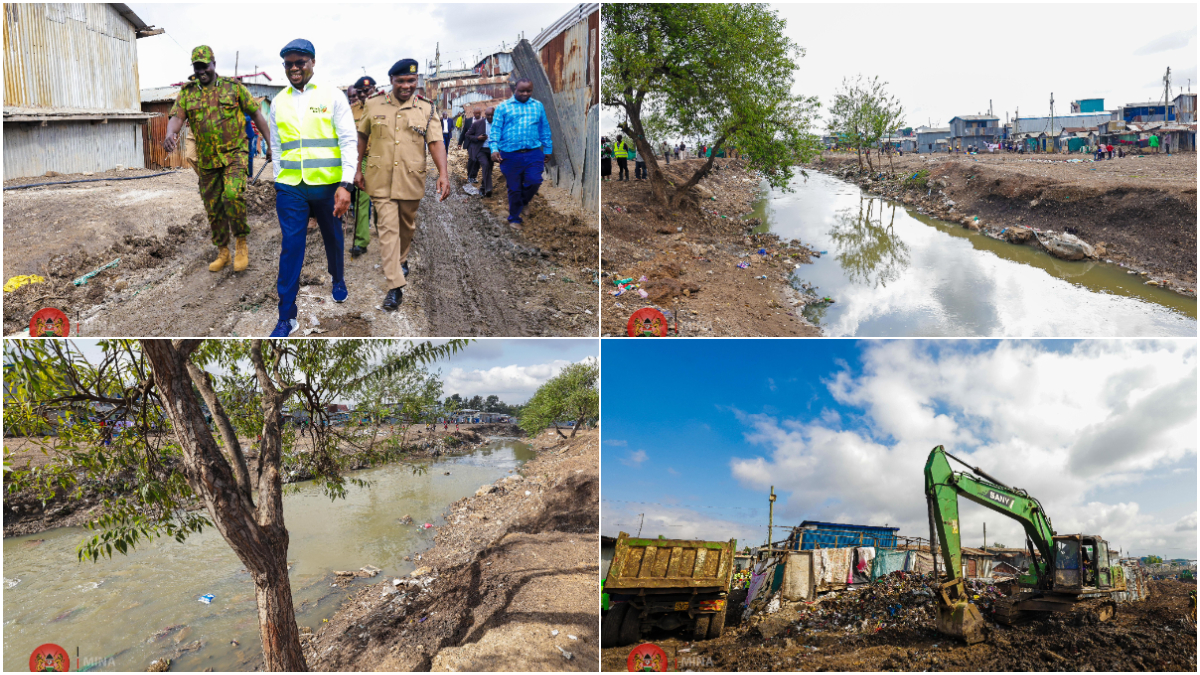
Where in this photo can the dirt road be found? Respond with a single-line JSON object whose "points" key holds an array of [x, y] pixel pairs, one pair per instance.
{"points": [[511, 584], [470, 275]]}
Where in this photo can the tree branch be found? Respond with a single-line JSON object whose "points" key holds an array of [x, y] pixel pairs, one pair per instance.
{"points": [[237, 459]]}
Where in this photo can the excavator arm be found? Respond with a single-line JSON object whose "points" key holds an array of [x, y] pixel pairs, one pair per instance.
{"points": [[943, 485]]}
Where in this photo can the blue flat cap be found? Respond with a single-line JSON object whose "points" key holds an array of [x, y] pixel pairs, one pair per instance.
{"points": [[299, 45]]}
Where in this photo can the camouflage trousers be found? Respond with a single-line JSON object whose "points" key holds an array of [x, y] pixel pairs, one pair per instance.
{"points": [[223, 191]]}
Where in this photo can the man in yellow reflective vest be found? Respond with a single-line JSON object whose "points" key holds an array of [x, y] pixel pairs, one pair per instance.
{"points": [[315, 148], [621, 153]]}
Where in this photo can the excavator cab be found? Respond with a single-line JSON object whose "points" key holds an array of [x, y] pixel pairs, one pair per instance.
{"points": [[1081, 564]]}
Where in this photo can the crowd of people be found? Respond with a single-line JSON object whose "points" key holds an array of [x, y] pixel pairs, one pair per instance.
{"points": [[622, 150]]}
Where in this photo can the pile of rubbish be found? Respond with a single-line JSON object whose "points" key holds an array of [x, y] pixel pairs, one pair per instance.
{"points": [[898, 599], [905, 599]]}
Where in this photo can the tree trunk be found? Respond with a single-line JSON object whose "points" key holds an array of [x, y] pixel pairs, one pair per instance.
{"points": [[560, 433], [578, 423], [256, 535], [700, 174], [277, 617]]}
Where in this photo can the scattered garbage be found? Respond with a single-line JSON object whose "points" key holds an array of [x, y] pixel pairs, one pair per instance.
{"points": [[207, 598], [84, 279], [554, 633], [566, 654], [20, 280], [427, 526], [743, 265]]}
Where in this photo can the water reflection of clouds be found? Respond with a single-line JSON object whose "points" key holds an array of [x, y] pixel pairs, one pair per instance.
{"points": [[891, 274]]}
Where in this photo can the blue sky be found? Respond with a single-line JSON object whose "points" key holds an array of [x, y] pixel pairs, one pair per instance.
{"points": [[1102, 432]]}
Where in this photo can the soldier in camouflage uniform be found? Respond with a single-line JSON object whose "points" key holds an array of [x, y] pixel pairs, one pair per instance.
{"points": [[215, 109]]}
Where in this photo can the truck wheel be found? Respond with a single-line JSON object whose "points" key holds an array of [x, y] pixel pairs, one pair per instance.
{"points": [[716, 626], [611, 628], [700, 630], [631, 627]]}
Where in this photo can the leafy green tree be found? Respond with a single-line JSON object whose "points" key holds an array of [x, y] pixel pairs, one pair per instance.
{"points": [[862, 113], [475, 403], [454, 400], [167, 461], [722, 71], [407, 395], [572, 394]]}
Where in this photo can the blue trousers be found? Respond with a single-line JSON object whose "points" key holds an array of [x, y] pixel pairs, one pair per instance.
{"points": [[294, 204], [523, 173]]}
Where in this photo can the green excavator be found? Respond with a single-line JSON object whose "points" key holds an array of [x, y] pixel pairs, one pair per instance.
{"points": [[1067, 573]]}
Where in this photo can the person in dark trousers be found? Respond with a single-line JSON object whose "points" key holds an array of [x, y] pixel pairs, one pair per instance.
{"points": [[316, 153], [476, 138], [621, 152], [520, 142], [473, 142]]}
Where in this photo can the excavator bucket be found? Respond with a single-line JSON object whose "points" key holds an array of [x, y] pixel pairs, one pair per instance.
{"points": [[961, 619]]}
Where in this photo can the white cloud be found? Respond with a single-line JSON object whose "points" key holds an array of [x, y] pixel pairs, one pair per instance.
{"points": [[771, 383], [1186, 523], [1061, 424], [1166, 43], [512, 383], [635, 458], [676, 523], [617, 442]]}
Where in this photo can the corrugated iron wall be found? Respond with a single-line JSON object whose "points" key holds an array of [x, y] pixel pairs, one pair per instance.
{"points": [[69, 55], [70, 147], [569, 61], [153, 133]]}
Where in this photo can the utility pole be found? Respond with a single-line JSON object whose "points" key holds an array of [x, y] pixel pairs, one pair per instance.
{"points": [[1051, 114], [770, 517], [985, 537], [640, 522], [235, 63], [1166, 94], [437, 65]]}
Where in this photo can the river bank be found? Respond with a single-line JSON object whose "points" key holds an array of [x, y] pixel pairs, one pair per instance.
{"points": [[703, 261], [25, 513], [1137, 212], [510, 584]]}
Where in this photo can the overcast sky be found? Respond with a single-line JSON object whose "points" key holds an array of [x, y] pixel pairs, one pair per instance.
{"points": [[1102, 432], [348, 37], [944, 60]]}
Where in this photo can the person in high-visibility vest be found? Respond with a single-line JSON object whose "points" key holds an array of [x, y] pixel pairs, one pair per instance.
{"points": [[621, 153], [315, 146]]}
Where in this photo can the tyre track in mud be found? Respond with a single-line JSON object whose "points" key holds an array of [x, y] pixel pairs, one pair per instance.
{"points": [[465, 270]]}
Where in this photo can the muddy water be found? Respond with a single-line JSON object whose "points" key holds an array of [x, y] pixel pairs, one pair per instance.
{"points": [[894, 272], [145, 606]]}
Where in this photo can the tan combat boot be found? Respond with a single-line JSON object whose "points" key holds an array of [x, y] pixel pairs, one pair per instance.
{"points": [[221, 261], [241, 258]]}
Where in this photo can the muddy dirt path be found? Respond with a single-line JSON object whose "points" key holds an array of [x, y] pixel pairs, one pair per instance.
{"points": [[469, 275]]}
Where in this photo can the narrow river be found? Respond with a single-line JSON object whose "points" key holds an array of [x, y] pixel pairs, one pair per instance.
{"points": [[146, 605], [892, 271]]}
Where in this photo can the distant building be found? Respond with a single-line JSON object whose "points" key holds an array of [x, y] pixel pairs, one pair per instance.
{"points": [[1185, 108], [928, 137], [71, 96], [1152, 111], [812, 534], [975, 130], [1087, 105], [1052, 127]]}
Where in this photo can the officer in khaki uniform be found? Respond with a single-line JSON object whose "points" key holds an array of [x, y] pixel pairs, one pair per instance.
{"points": [[395, 130], [363, 89]]}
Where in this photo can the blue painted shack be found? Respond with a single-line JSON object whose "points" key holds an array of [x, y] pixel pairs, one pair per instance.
{"points": [[813, 534]]}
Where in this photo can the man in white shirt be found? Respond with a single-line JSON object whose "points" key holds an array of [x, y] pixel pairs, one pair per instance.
{"points": [[314, 146]]}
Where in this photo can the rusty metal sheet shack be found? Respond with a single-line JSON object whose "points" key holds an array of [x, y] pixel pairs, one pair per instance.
{"points": [[71, 96], [564, 63]]}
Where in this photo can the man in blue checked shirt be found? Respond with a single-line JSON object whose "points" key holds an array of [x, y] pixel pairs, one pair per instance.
{"points": [[520, 141]]}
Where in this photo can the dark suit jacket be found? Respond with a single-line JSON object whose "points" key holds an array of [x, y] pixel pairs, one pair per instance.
{"points": [[462, 135], [478, 129]]}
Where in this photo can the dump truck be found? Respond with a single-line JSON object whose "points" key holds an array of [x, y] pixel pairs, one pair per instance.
{"points": [[1070, 573], [667, 584]]}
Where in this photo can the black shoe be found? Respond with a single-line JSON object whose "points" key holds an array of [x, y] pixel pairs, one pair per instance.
{"points": [[394, 297], [357, 251], [488, 193], [404, 268]]}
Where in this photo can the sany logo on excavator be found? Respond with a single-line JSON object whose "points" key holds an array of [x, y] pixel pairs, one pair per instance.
{"points": [[1000, 499]]}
